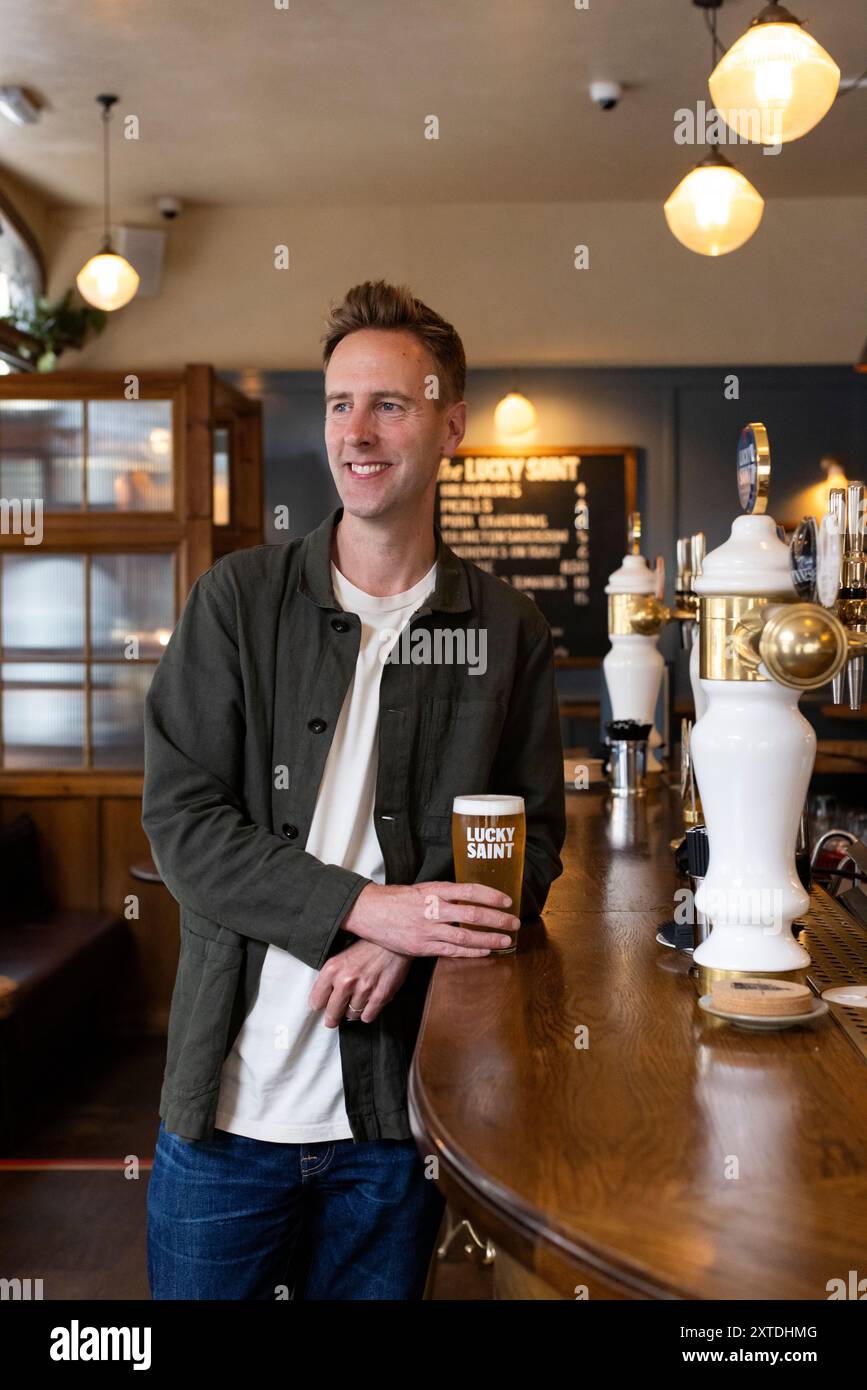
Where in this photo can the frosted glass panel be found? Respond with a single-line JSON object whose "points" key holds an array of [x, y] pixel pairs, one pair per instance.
{"points": [[43, 715], [221, 476], [117, 704], [43, 605], [132, 596], [129, 453], [41, 452]]}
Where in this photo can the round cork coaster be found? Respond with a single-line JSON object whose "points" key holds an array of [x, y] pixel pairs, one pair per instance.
{"points": [[762, 997]]}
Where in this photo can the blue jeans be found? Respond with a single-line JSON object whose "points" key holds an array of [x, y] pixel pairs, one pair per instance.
{"points": [[237, 1218]]}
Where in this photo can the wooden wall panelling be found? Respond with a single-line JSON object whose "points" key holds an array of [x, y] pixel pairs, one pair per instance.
{"points": [[155, 932], [69, 844]]}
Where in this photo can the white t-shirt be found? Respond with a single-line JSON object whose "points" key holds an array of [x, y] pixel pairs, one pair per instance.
{"points": [[282, 1079]]}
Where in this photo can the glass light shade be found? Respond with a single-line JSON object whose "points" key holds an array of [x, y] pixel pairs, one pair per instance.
{"points": [[714, 209], [107, 281], [515, 414], [774, 84]]}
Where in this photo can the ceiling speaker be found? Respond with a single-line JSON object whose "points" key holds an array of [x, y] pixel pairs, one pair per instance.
{"points": [[143, 247]]}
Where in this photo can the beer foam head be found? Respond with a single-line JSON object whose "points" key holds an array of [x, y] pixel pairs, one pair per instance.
{"points": [[489, 804]]}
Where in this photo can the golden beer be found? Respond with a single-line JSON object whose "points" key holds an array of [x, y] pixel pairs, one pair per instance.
{"points": [[489, 834]]}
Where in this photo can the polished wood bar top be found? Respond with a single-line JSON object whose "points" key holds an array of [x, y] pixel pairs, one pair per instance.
{"points": [[673, 1156]]}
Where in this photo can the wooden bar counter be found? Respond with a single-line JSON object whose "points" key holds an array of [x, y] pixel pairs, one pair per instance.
{"points": [[673, 1156]]}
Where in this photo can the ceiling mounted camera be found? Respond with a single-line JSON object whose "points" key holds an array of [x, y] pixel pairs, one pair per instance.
{"points": [[605, 95], [169, 208]]}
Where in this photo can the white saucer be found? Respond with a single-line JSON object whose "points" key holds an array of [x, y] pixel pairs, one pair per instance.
{"points": [[764, 1022], [853, 995]]}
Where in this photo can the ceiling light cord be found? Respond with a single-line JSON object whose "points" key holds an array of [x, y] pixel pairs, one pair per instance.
{"points": [[710, 21], [717, 47], [106, 102], [853, 86], [106, 118]]}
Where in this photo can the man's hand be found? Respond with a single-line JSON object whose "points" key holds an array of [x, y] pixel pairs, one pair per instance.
{"points": [[418, 919], [364, 976]]}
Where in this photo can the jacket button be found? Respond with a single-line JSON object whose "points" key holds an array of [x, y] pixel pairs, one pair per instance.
{"points": [[290, 831], [339, 625], [316, 726]]}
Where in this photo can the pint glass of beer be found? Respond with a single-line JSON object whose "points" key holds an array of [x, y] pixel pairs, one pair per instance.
{"points": [[489, 833]]}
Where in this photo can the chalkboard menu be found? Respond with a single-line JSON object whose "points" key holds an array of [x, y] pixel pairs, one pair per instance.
{"points": [[551, 522]]}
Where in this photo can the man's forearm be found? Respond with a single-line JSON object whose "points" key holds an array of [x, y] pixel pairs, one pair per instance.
{"points": [[224, 868]]}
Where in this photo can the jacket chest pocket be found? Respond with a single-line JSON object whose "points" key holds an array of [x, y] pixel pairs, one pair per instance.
{"points": [[459, 743]]}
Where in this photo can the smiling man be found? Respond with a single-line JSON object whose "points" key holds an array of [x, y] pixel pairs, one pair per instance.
{"points": [[298, 793]]}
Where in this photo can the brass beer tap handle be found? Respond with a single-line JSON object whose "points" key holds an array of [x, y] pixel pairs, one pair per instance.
{"points": [[649, 616], [802, 645]]}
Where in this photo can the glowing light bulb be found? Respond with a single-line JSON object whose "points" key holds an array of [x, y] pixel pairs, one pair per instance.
{"points": [[514, 415], [714, 209], [775, 83], [107, 281]]}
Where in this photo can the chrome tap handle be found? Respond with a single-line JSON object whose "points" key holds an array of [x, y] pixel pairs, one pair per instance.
{"points": [[855, 585], [698, 545], [684, 564], [837, 509], [855, 517], [855, 679], [832, 531]]}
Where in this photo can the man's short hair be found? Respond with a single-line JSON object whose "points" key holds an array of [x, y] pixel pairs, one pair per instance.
{"points": [[376, 304]]}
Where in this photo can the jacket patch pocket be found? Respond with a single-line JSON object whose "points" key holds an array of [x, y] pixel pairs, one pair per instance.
{"points": [[460, 747], [201, 1008]]}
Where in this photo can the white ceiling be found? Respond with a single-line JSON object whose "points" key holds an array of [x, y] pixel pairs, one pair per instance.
{"points": [[324, 102]]}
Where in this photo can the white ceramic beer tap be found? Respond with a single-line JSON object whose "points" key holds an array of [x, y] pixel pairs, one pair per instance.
{"points": [[753, 750], [633, 667]]}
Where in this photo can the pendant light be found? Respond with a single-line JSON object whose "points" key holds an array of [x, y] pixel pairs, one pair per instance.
{"points": [[714, 208], [107, 281], [515, 416], [776, 82]]}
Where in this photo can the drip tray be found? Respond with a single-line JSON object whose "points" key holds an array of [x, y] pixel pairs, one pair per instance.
{"points": [[837, 945]]}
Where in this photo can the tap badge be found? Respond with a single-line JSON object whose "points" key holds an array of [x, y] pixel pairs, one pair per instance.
{"points": [[804, 559], [754, 469]]}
